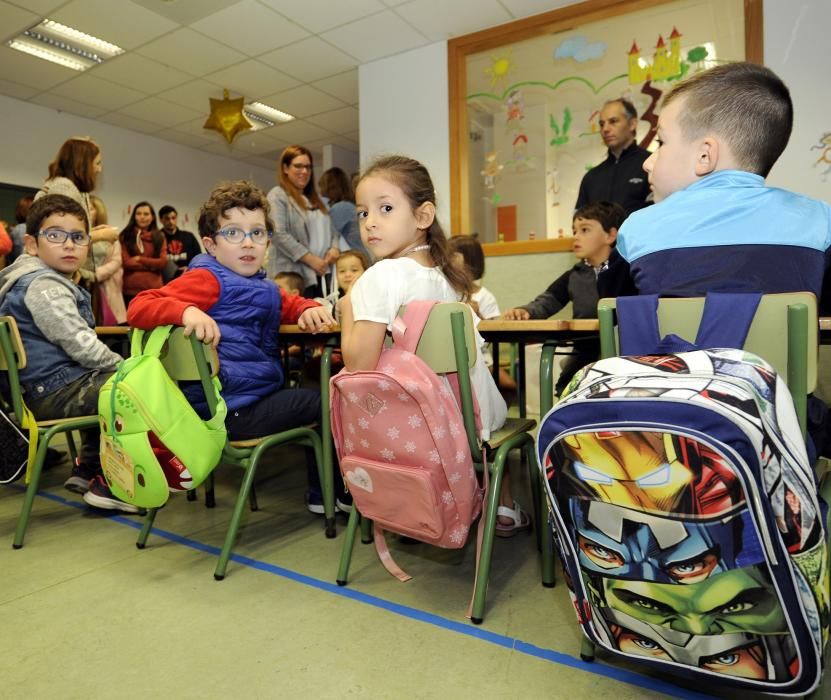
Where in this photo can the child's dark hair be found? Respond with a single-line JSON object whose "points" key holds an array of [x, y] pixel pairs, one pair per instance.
{"points": [[128, 233], [293, 280], [336, 186], [745, 103], [242, 194], [609, 214], [412, 178], [359, 254], [49, 204], [471, 250]]}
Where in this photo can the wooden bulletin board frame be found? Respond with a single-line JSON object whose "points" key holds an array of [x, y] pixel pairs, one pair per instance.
{"points": [[570, 17]]}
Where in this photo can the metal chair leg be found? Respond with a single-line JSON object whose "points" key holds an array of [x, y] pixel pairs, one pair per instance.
{"points": [[210, 496], [348, 545], [481, 587], [31, 490], [586, 650], [366, 530], [252, 500], [141, 542], [236, 518]]}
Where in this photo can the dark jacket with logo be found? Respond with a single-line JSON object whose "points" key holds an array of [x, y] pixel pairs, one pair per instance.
{"points": [[620, 180]]}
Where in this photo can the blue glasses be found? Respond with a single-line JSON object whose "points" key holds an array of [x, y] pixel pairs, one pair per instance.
{"points": [[58, 236], [236, 235]]}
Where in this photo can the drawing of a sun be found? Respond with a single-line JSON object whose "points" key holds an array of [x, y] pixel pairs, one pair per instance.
{"points": [[500, 66]]}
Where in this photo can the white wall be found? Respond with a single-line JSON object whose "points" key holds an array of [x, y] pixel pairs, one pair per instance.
{"points": [[403, 102], [335, 156], [136, 167], [796, 48]]}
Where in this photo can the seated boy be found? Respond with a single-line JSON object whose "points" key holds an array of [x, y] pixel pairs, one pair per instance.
{"points": [[716, 225], [226, 300], [66, 362], [290, 282], [600, 273]]}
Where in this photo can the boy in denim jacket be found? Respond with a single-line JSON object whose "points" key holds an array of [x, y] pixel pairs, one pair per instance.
{"points": [[66, 362]]}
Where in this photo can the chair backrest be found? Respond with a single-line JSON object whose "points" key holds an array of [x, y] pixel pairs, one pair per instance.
{"points": [[12, 359], [768, 336], [436, 341], [784, 332], [180, 357]]}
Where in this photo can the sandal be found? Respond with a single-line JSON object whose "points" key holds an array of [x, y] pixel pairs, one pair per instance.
{"points": [[520, 519]]}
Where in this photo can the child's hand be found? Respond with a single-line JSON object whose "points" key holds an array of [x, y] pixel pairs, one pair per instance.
{"points": [[197, 321], [516, 315], [316, 319]]}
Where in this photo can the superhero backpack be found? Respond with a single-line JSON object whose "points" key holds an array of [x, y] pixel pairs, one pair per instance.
{"points": [[152, 440], [685, 508], [402, 446]]}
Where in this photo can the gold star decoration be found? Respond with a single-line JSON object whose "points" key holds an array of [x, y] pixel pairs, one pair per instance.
{"points": [[227, 117]]}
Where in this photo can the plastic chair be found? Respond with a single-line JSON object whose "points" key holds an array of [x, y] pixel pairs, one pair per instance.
{"points": [[187, 359], [784, 332], [455, 319], [12, 360]]}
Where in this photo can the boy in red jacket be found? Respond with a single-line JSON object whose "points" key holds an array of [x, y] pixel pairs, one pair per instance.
{"points": [[226, 300]]}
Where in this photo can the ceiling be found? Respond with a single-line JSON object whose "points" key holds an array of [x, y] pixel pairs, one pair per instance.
{"points": [[299, 56]]}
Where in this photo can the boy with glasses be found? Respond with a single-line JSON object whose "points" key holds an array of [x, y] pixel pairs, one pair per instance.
{"points": [[227, 301], [66, 362]]}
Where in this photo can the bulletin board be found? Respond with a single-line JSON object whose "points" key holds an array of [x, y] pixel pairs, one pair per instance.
{"points": [[525, 100]]}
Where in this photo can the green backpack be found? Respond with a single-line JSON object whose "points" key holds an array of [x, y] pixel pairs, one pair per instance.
{"points": [[152, 441]]}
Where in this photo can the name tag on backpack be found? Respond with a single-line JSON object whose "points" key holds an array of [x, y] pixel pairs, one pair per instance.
{"points": [[117, 466]]}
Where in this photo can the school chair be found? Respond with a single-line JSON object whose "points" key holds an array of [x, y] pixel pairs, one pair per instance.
{"points": [[187, 359], [784, 332], [455, 319], [12, 360]]}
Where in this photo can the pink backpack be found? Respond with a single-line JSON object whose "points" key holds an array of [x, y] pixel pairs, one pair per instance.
{"points": [[402, 445]]}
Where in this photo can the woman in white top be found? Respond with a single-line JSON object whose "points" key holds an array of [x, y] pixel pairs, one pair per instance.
{"points": [[397, 215], [305, 241]]}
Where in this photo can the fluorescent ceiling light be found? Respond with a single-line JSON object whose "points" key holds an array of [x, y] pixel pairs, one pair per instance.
{"points": [[262, 116], [64, 45]]}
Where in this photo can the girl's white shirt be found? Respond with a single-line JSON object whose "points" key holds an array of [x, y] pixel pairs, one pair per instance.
{"points": [[390, 284]]}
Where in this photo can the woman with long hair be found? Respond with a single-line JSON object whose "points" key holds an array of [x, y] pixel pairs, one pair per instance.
{"points": [[336, 186], [305, 241], [143, 252], [74, 172]]}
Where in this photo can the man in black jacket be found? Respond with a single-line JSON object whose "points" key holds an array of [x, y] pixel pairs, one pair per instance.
{"points": [[620, 178], [182, 246]]}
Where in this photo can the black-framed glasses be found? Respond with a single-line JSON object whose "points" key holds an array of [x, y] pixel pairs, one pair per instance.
{"points": [[236, 235], [58, 236]]}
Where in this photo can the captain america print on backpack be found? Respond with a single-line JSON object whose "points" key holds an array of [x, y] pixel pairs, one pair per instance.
{"points": [[687, 518]]}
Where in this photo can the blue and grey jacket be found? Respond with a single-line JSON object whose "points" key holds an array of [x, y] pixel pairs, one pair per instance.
{"points": [[54, 317], [728, 232]]}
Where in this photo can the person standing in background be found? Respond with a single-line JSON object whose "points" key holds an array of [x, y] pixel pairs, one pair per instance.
{"points": [[182, 246], [620, 178], [143, 252], [305, 240], [336, 187]]}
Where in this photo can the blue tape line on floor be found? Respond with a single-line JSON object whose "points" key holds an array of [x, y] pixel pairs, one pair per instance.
{"points": [[466, 628]]}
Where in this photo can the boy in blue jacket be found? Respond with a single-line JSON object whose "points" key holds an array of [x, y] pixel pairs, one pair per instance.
{"points": [[227, 301]]}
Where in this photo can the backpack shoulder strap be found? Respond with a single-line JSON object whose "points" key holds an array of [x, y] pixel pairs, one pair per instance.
{"points": [[155, 342], [725, 323], [407, 329]]}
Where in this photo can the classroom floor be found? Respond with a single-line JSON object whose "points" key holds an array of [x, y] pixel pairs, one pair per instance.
{"points": [[84, 614]]}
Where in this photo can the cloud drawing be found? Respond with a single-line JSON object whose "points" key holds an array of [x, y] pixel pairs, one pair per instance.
{"points": [[579, 48]]}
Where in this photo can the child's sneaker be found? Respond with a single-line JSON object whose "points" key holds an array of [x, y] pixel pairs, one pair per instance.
{"points": [[82, 474], [343, 503], [314, 502], [100, 496]]}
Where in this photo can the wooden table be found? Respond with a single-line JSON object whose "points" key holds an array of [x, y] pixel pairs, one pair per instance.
{"points": [[551, 333]]}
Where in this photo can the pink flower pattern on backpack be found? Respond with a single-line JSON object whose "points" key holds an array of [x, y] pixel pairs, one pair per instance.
{"points": [[411, 470]]}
